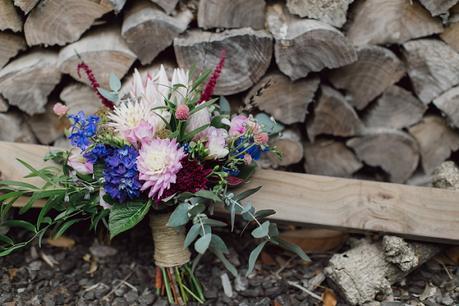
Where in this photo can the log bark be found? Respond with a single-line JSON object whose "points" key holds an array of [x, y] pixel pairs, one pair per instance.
{"points": [[27, 81], [390, 22], [451, 36], [26, 5], [296, 97], [104, 50], [147, 30], [401, 152], [433, 67], [332, 12], [333, 115], [396, 108], [58, 22], [14, 128], [79, 97], [248, 56], [231, 14], [9, 17], [290, 145], [438, 7], [331, 158], [304, 45], [448, 103], [47, 127], [436, 141], [371, 268], [167, 5], [376, 69], [10, 45]]}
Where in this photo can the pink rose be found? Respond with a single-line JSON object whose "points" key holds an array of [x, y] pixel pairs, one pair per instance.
{"points": [[60, 109], [77, 161], [238, 125], [261, 138], [216, 142], [143, 133]]}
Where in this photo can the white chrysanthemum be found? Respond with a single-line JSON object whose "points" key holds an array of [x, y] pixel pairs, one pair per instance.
{"points": [[135, 121]]}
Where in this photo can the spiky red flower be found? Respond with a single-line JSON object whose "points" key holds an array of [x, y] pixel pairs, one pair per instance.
{"points": [[210, 86], [191, 178], [94, 84]]}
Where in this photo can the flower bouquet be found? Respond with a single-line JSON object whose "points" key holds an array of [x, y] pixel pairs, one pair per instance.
{"points": [[166, 150]]}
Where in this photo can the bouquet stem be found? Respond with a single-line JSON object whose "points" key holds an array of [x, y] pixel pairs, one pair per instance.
{"points": [[174, 276]]}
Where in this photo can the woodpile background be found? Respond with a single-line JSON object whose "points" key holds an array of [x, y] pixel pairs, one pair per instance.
{"points": [[365, 88]]}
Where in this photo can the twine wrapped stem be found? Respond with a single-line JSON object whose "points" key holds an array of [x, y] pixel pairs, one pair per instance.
{"points": [[169, 250]]}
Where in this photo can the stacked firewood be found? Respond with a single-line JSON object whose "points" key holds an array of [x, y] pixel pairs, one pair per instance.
{"points": [[364, 88]]}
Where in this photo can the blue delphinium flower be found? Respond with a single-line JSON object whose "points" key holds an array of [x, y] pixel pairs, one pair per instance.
{"points": [[97, 153], [247, 146], [121, 175], [82, 129]]}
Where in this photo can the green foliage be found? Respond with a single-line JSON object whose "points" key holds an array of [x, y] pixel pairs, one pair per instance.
{"points": [[268, 125], [125, 216]]}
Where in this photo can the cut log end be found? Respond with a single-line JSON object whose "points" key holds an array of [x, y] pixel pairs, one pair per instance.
{"points": [[10, 45], [14, 128], [79, 97], [436, 141], [396, 108], [167, 5], [433, 67], [331, 158], [27, 81], [290, 145], [391, 21], [57, 22], [231, 14], [376, 69], [333, 116], [292, 106], [437, 7], [401, 152], [9, 17], [248, 56], [144, 19], [304, 45], [47, 127], [26, 5], [103, 50]]}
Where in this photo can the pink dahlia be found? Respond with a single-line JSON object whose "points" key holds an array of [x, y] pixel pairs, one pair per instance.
{"points": [[158, 164]]}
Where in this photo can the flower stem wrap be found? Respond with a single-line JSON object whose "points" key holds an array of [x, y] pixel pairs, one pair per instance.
{"points": [[169, 250]]}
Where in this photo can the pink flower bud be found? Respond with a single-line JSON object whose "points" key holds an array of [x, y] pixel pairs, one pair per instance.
{"points": [[182, 112], [247, 159], [261, 138], [60, 109]]}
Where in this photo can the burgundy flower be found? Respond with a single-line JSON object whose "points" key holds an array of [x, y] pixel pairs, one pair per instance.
{"points": [[191, 178]]}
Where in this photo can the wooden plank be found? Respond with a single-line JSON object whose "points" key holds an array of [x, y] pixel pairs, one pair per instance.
{"points": [[420, 212]]}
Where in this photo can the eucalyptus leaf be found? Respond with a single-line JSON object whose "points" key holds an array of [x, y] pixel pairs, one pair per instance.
{"points": [[180, 216], [263, 213], [207, 194], [246, 194], [261, 231], [292, 248], [125, 216], [192, 234], [225, 107], [217, 243], [114, 82], [202, 244], [110, 96], [228, 265], [254, 255], [214, 222], [268, 125]]}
